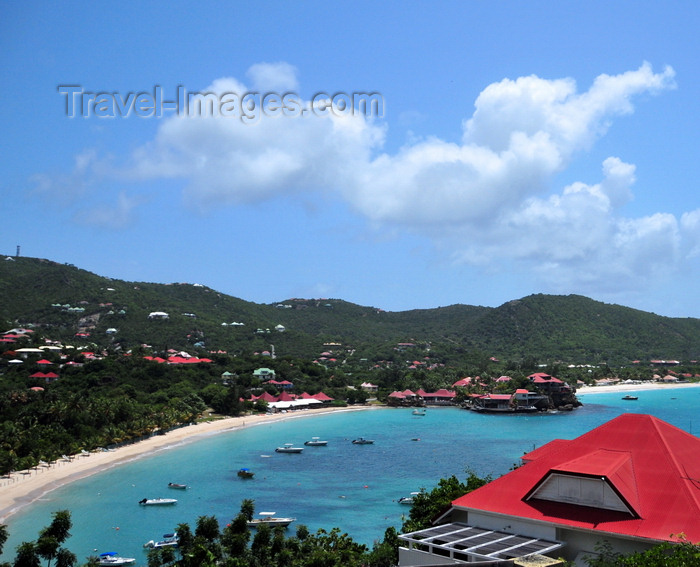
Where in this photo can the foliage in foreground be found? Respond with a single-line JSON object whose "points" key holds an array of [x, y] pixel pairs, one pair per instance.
{"points": [[683, 554]]}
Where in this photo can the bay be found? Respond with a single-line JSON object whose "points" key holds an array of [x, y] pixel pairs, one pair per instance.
{"points": [[353, 487]]}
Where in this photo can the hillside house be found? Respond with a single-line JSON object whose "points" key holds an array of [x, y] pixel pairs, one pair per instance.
{"points": [[633, 482], [264, 374], [549, 384], [153, 315]]}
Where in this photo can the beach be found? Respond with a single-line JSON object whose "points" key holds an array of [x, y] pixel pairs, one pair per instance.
{"points": [[641, 387], [21, 488]]}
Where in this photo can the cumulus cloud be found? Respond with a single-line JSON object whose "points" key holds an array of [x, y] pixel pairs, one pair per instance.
{"points": [[487, 196]]}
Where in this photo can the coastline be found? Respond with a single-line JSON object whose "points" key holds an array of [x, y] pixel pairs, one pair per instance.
{"points": [[644, 386], [21, 488]]}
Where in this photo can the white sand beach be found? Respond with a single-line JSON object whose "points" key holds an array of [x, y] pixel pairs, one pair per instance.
{"points": [[24, 487], [642, 386]]}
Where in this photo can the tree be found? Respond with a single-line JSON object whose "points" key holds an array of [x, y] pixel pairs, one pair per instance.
{"points": [[427, 505], [3, 536], [683, 554]]}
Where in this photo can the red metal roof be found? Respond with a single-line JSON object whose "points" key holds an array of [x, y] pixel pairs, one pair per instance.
{"points": [[652, 465]]}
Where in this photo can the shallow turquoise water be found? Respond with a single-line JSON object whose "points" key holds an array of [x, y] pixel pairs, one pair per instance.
{"points": [[349, 486]]}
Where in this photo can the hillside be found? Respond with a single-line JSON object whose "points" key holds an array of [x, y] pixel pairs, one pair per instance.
{"points": [[65, 300]]}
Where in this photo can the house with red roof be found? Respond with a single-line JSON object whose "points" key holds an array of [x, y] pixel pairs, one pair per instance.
{"points": [[549, 384], [442, 397], [633, 482]]}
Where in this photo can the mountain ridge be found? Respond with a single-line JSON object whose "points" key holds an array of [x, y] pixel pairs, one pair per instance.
{"points": [[571, 328]]}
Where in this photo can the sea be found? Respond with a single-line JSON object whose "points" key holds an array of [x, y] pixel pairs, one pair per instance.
{"points": [[352, 487]]}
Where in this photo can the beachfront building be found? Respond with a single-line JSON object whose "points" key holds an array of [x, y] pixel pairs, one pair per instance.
{"points": [[442, 397], [633, 482]]}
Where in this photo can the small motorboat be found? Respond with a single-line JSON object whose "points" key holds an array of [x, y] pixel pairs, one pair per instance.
{"points": [[157, 501], [178, 486], [111, 558], [169, 540], [269, 519], [630, 397], [245, 473], [289, 448], [408, 499], [316, 442], [362, 441], [419, 411]]}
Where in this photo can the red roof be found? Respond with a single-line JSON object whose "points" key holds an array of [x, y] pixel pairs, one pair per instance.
{"points": [[265, 396], [541, 378], [321, 397], [441, 393], [44, 361], [652, 466], [286, 397]]}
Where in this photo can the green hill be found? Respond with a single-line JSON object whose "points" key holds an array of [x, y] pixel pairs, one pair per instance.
{"points": [[63, 300]]}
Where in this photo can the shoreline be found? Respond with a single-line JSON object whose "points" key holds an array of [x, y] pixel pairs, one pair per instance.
{"points": [[642, 387], [22, 488]]}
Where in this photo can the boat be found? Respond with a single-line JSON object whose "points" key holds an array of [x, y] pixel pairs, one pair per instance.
{"points": [[408, 499], [316, 442], [157, 501], [630, 397], [362, 441], [169, 540], [269, 519], [245, 473], [289, 448], [419, 411], [178, 486], [111, 558]]}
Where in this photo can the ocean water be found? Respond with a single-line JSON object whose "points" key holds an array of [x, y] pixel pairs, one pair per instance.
{"points": [[352, 487]]}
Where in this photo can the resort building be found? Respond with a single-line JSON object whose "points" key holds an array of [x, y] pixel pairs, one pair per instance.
{"points": [[633, 482]]}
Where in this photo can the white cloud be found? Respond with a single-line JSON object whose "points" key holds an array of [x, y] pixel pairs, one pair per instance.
{"points": [[487, 198], [105, 216], [273, 77], [690, 229]]}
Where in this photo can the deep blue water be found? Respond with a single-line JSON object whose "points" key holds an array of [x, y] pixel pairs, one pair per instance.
{"points": [[352, 487]]}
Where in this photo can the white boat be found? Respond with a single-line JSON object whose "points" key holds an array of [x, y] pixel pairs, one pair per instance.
{"points": [[157, 501], [419, 411], [169, 540], [289, 448], [362, 441], [111, 558], [408, 499], [316, 442], [269, 519]]}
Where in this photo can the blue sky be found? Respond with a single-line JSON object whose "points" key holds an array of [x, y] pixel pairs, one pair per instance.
{"points": [[522, 147]]}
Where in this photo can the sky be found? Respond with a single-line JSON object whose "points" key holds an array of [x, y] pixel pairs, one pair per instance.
{"points": [[395, 155]]}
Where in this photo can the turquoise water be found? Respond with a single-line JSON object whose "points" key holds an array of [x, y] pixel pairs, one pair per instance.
{"points": [[352, 487]]}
